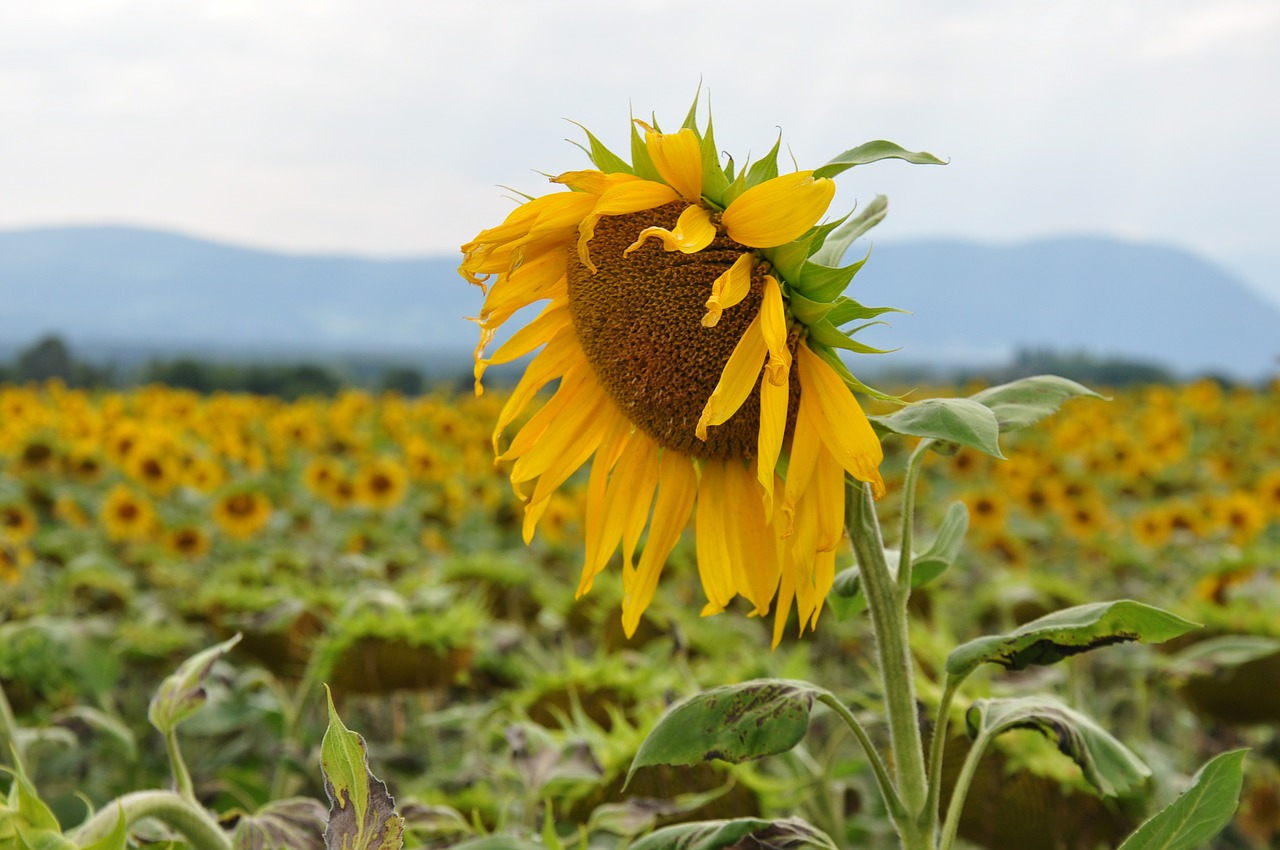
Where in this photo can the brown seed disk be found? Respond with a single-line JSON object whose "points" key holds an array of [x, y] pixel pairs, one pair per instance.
{"points": [[639, 320]]}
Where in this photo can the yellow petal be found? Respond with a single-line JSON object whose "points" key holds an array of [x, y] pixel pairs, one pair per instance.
{"points": [[736, 381], [693, 232], [838, 419], [803, 458], [678, 158], [778, 210], [550, 363], [627, 498], [678, 484], [611, 448], [621, 199], [552, 320], [752, 542], [729, 289], [592, 181], [715, 564], [786, 592]]}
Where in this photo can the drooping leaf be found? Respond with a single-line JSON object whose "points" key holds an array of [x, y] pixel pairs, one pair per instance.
{"points": [[362, 815], [182, 694], [1068, 632], [733, 723], [297, 823], [837, 244], [1107, 764], [1026, 401], [956, 421], [741, 834], [874, 152], [1199, 813], [1210, 657]]}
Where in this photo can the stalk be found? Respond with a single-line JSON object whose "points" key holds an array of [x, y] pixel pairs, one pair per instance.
{"points": [[192, 821], [889, 620]]}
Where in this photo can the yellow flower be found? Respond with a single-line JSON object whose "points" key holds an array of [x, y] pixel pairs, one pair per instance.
{"points": [[381, 484], [692, 320], [127, 515], [188, 541], [17, 522], [242, 515]]}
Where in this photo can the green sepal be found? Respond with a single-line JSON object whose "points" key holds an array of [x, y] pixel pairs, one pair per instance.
{"points": [[1107, 764], [827, 333], [834, 248], [807, 310], [824, 283], [847, 310], [601, 157], [833, 360], [714, 179], [767, 168], [25, 801], [789, 259], [874, 152], [641, 163], [1071, 631]]}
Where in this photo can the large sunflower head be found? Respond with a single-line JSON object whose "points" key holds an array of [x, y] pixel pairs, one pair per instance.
{"points": [[693, 320]]}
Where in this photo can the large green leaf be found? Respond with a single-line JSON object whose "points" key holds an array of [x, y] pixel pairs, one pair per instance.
{"points": [[958, 421], [362, 815], [788, 834], [1071, 631], [874, 152], [1199, 813], [1107, 764], [182, 693], [1026, 401], [733, 723]]}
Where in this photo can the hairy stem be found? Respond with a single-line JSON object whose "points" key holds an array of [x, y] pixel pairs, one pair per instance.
{"points": [[936, 747], [889, 620], [890, 794], [192, 821], [908, 514], [181, 776]]}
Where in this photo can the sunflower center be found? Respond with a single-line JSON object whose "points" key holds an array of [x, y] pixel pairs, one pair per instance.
{"points": [[639, 321]]}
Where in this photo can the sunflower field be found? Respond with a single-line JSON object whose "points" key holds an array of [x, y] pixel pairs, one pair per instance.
{"points": [[371, 544]]}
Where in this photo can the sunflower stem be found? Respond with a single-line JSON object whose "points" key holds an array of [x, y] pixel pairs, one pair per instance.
{"points": [[181, 776], [936, 746], [961, 791], [889, 620], [892, 802], [191, 820], [908, 517]]}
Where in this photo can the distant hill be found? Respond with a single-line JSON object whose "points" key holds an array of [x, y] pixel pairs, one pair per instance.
{"points": [[972, 304]]}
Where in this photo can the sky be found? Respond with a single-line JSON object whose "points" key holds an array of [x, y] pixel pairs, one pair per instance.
{"points": [[389, 128]]}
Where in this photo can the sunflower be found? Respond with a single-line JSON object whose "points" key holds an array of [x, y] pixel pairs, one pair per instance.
{"points": [[17, 522], [242, 514], [189, 541], [381, 483], [693, 318], [126, 514]]}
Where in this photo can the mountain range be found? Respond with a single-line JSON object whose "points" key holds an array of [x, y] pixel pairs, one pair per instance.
{"points": [[970, 304]]}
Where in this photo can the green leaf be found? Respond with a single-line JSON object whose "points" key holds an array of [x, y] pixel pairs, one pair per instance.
{"points": [[26, 802], [41, 839], [1199, 813], [362, 815], [1107, 764], [1026, 401], [736, 835], [958, 421], [94, 718], [837, 244], [733, 723], [182, 694], [874, 152], [297, 823], [1071, 631]]}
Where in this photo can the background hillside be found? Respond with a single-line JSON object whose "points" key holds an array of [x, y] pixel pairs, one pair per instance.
{"points": [[130, 292]]}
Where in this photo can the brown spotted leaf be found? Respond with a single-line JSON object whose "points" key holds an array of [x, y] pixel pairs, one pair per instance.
{"points": [[742, 834], [734, 723], [362, 815], [296, 824]]}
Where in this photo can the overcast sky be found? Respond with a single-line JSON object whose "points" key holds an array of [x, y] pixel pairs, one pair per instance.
{"points": [[385, 128]]}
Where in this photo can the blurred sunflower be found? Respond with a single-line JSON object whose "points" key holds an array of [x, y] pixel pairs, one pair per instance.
{"points": [[381, 483], [14, 560], [243, 514], [17, 522], [126, 514], [693, 323], [188, 541]]}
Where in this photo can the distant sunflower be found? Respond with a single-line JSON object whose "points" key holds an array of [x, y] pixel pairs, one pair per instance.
{"points": [[126, 514], [243, 514], [693, 320], [17, 522], [381, 483], [188, 541]]}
